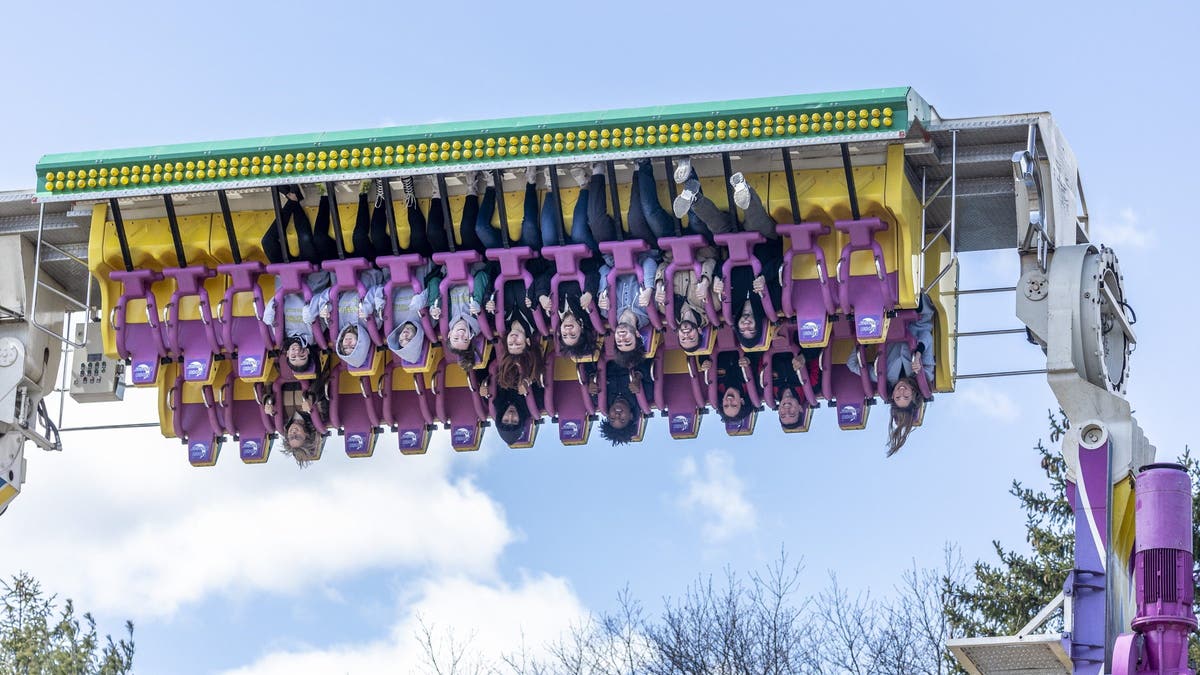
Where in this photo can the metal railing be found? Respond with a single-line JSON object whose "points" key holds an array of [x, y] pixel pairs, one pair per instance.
{"points": [[951, 223]]}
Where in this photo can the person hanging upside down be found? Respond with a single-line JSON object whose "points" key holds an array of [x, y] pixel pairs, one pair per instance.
{"points": [[901, 365]]}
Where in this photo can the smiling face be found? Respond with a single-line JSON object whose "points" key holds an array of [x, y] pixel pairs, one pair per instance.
{"points": [[619, 414], [297, 356], [510, 417], [516, 340], [407, 332], [688, 335], [570, 330], [747, 325], [731, 402], [625, 337], [348, 342], [902, 394], [297, 435], [460, 335], [789, 408]]}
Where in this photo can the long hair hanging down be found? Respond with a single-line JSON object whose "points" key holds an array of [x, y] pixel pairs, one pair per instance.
{"points": [[514, 368], [903, 417]]}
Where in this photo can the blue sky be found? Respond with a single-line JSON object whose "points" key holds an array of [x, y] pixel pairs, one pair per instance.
{"points": [[268, 569]]}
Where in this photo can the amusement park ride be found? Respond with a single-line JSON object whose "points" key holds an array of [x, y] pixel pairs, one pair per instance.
{"points": [[147, 263]]}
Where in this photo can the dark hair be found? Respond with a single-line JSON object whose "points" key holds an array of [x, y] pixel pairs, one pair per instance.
{"points": [[903, 417], [699, 331], [466, 357], [620, 436], [511, 433], [799, 423], [586, 346], [513, 368], [742, 413], [311, 350], [632, 358], [752, 341]]}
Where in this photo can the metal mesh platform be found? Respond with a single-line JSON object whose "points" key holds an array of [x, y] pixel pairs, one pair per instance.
{"points": [[1027, 655]]}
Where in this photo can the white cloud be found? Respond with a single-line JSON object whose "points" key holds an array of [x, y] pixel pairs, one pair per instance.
{"points": [[986, 400], [1124, 230], [715, 492], [120, 522], [487, 621]]}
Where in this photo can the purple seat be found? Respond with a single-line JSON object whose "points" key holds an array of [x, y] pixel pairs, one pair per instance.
{"points": [[458, 271], [142, 344], [870, 297], [246, 420], [643, 402], [680, 397], [406, 409], [246, 336], [194, 342], [683, 255], [785, 344], [403, 273], [346, 280], [568, 400], [752, 378], [354, 408], [624, 254], [200, 425], [898, 332], [810, 301], [279, 423], [741, 252], [512, 268], [460, 407], [566, 268], [849, 394], [291, 280]]}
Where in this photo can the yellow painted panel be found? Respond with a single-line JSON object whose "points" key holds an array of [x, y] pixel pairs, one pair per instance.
{"points": [[166, 417], [675, 361], [945, 300]]}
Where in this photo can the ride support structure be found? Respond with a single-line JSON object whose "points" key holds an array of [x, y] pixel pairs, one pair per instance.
{"points": [[873, 193]]}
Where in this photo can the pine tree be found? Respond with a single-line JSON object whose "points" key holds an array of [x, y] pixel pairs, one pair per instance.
{"points": [[1000, 598], [35, 637]]}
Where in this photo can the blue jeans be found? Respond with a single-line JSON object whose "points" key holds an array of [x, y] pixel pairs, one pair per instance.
{"points": [[581, 233], [651, 221], [490, 236]]}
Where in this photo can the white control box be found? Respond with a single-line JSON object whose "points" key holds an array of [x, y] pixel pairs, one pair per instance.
{"points": [[94, 376]]}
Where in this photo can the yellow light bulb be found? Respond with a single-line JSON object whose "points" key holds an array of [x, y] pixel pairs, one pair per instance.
{"points": [[887, 112]]}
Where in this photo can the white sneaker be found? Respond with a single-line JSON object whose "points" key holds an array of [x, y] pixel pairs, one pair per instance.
{"points": [[549, 178], [580, 175], [683, 171], [741, 191], [531, 174], [489, 179], [683, 203]]}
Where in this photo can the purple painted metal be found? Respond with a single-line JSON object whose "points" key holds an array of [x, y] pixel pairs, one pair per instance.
{"points": [[402, 272], [142, 344], [683, 255], [458, 271], [461, 409], [246, 336], [625, 255], [199, 425], [346, 279], [741, 252], [566, 268], [1086, 583], [810, 301], [1162, 574], [195, 343], [680, 397], [570, 404], [868, 297], [407, 411], [356, 413], [246, 421], [512, 268], [290, 279]]}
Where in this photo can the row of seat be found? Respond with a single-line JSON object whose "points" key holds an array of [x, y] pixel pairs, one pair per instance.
{"points": [[414, 404]]}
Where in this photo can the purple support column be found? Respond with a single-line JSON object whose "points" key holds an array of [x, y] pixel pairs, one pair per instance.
{"points": [[1085, 585]]}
